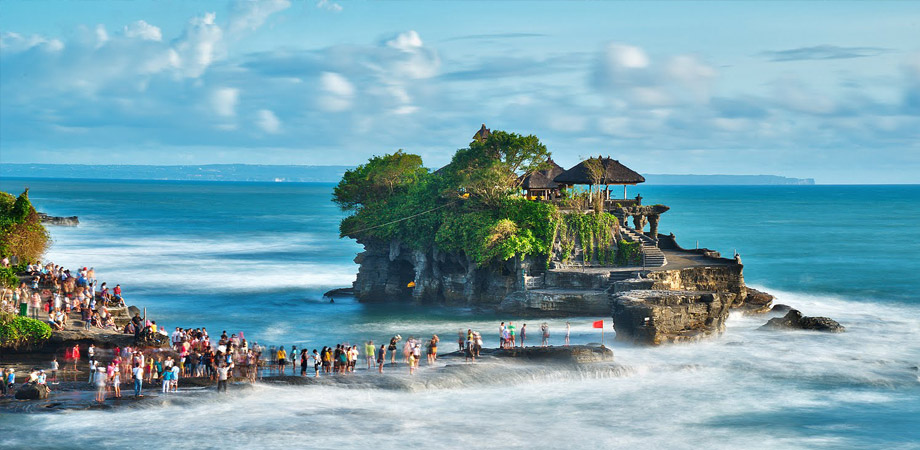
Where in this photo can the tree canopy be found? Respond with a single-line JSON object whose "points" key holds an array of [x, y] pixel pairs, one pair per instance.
{"points": [[21, 231]]}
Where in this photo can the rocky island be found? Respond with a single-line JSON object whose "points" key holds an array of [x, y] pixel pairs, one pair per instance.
{"points": [[503, 227]]}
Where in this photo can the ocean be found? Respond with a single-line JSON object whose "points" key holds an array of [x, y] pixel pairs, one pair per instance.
{"points": [[257, 257]]}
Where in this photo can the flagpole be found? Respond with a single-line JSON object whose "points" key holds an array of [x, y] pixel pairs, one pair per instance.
{"points": [[602, 337]]}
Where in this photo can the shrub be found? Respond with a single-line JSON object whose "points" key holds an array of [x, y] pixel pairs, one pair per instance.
{"points": [[21, 332]]}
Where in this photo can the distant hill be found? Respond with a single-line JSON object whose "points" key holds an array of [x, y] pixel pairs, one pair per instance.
{"points": [[327, 174], [207, 172], [709, 180]]}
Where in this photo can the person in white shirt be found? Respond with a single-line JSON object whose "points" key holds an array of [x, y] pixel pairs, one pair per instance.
{"points": [[138, 374]]}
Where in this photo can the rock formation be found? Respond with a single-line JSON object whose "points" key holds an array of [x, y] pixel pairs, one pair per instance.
{"points": [[32, 391], [71, 221], [794, 320]]}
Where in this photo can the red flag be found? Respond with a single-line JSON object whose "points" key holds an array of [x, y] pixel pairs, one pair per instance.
{"points": [[599, 324]]}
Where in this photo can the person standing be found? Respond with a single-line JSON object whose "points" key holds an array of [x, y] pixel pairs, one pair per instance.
{"points": [[501, 335], [282, 360], [511, 330], [100, 385], [55, 366], [381, 357], [369, 352], [568, 331], [523, 334], [544, 327], [138, 374], [304, 359], [223, 373], [317, 363]]}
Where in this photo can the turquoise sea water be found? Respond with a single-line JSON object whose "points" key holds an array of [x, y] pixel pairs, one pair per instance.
{"points": [[256, 257]]}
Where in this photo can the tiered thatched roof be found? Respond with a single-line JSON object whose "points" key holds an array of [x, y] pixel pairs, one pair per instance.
{"points": [[543, 179], [614, 173], [482, 134]]}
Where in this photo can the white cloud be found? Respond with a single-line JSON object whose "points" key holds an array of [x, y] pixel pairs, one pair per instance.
{"points": [[102, 36], [199, 45], [338, 92], [329, 5], [16, 43], [691, 73], [626, 56], [224, 100], [268, 122], [143, 30], [249, 15], [408, 41]]}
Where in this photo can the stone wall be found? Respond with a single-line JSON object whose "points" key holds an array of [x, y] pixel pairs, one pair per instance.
{"points": [[656, 316]]}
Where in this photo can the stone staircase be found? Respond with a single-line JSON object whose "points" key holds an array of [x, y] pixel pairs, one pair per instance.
{"points": [[651, 254]]}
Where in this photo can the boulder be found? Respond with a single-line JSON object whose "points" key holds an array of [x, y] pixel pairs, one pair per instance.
{"points": [[754, 302], [32, 391], [794, 320], [780, 308], [655, 316]]}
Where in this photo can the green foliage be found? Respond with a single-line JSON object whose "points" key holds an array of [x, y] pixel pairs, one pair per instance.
{"points": [[378, 180], [21, 231], [491, 170], [629, 253], [515, 227], [8, 278], [594, 231], [18, 332]]}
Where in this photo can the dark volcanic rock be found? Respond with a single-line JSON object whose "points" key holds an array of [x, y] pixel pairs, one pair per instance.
{"points": [[71, 221], [780, 308], [32, 391], [795, 320], [572, 354], [340, 292]]}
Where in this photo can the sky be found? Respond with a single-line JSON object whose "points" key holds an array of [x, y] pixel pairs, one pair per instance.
{"points": [[824, 90]]}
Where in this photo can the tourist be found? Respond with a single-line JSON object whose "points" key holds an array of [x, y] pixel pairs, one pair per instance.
{"points": [[460, 340], [317, 363], [222, 373], [510, 335], [92, 371], [501, 335], [433, 349], [54, 369], [369, 354], [381, 357], [282, 360], [304, 359], [138, 374], [411, 362], [392, 348], [544, 327], [523, 334], [293, 359], [100, 385], [116, 381], [568, 331], [10, 380], [167, 380]]}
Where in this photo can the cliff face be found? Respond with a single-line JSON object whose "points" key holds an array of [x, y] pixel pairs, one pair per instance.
{"points": [[648, 306], [386, 269]]}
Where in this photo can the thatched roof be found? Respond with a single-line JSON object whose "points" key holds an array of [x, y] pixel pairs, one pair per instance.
{"points": [[543, 179], [482, 134], [614, 173]]}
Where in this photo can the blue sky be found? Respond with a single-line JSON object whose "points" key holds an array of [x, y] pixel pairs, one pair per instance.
{"points": [[829, 90]]}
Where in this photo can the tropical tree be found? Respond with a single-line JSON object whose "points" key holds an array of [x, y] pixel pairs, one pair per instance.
{"points": [[377, 180]]}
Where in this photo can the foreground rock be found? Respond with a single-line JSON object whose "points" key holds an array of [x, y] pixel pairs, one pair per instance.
{"points": [[579, 354], [32, 391], [71, 221], [656, 316], [794, 320]]}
